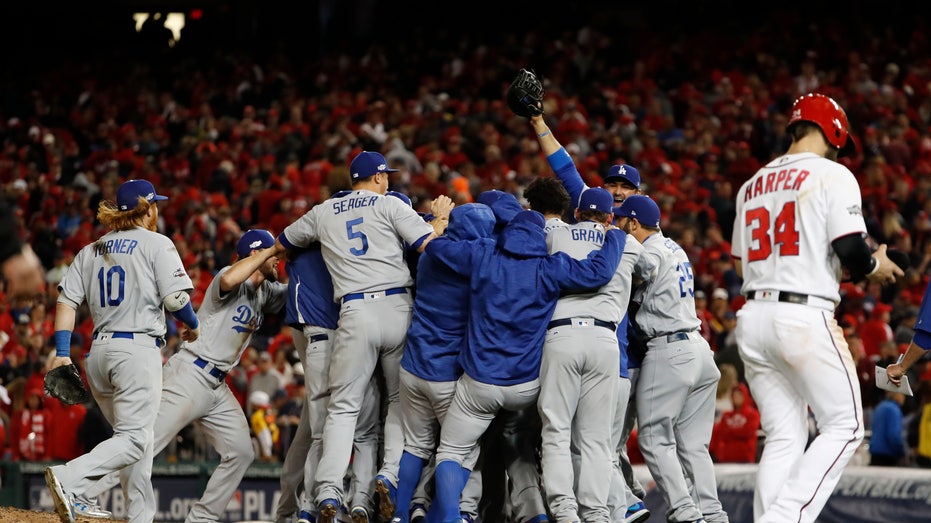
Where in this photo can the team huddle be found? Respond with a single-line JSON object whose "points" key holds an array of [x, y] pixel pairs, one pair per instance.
{"points": [[574, 317]]}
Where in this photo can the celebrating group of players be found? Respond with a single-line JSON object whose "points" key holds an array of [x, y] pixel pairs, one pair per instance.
{"points": [[587, 325]]}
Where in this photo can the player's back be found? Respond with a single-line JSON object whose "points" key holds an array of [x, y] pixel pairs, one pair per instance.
{"points": [[610, 301], [363, 236], [788, 214], [124, 277], [667, 299]]}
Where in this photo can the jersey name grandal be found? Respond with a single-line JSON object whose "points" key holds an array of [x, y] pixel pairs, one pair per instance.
{"points": [[116, 246], [346, 204], [588, 235], [784, 180]]}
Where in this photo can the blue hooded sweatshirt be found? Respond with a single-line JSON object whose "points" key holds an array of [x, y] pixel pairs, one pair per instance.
{"points": [[441, 306], [515, 285], [503, 204]]}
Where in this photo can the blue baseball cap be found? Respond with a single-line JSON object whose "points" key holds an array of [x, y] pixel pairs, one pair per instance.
{"points": [[596, 199], [623, 173], [367, 164], [127, 196], [641, 207], [254, 239], [401, 196]]}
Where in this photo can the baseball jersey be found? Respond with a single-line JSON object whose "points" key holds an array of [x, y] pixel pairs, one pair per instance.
{"points": [[310, 290], [363, 235], [228, 320], [553, 223], [667, 292], [607, 303], [123, 277], [777, 231]]}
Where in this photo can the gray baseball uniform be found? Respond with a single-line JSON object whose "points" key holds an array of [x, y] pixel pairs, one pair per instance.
{"points": [[194, 386], [123, 277], [578, 377], [362, 236], [677, 384]]}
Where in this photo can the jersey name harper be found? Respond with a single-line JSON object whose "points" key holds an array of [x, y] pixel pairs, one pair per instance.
{"points": [[784, 180], [588, 235], [346, 204], [117, 246]]}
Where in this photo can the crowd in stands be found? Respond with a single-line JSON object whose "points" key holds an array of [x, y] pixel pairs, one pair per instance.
{"points": [[239, 141]]}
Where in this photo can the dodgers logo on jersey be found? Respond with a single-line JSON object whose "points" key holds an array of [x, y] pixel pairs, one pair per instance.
{"points": [[247, 320]]}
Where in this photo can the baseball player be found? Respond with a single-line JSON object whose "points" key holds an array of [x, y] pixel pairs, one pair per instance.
{"points": [[313, 316], [194, 384], [515, 285], [548, 196], [510, 447], [362, 236], [430, 367], [621, 181], [678, 376], [127, 278], [577, 376], [798, 221]]}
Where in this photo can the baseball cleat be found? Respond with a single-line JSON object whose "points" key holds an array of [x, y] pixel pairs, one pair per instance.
{"points": [[63, 505], [327, 511], [418, 513], [359, 514], [89, 508], [387, 494], [306, 517], [637, 513]]}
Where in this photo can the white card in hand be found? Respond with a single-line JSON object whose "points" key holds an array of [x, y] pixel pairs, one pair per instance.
{"points": [[882, 381]]}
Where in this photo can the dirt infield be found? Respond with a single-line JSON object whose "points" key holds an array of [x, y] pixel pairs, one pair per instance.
{"points": [[18, 515]]}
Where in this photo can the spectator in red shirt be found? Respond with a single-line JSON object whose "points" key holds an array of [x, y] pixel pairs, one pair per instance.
{"points": [[63, 443], [31, 429], [876, 330], [734, 439]]}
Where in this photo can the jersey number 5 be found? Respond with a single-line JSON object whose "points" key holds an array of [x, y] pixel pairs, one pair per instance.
{"points": [[784, 232], [354, 235]]}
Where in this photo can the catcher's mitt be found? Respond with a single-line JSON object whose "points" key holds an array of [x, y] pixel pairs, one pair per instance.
{"points": [[525, 94], [65, 384]]}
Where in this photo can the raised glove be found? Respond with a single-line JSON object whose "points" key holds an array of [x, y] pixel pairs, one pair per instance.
{"points": [[65, 384], [525, 94]]}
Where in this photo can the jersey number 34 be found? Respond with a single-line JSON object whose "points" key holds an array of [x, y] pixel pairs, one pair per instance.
{"points": [[765, 232]]}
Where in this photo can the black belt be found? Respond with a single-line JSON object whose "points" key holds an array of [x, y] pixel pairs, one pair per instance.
{"points": [[131, 336], [317, 337], [568, 321], [214, 371], [677, 336], [785, 297], [361, 295]]}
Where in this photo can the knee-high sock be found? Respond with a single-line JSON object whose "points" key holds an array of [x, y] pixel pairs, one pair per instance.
{"points": [[450, 481], [409, 472]]}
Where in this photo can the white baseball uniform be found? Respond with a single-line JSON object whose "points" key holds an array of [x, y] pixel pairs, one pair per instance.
{"points": [[124, 277], [794, 352]]}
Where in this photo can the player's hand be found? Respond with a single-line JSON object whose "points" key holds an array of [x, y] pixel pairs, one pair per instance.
{"points": [[895, 372], [190, 335], [59, 361], [888, 270], [441, 206]]}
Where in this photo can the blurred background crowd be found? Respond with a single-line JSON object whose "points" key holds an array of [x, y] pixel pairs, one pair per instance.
{"points": [[249, 120]]}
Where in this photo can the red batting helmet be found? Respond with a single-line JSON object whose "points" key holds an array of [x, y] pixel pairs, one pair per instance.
{"points": [[824, 112]]}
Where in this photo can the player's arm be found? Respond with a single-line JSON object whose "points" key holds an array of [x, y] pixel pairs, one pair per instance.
{"points": [[560, 161], [457, 255], [65, 314], [595, 270], [920, 344], [854, 253], [178, 303], [243, 268]]}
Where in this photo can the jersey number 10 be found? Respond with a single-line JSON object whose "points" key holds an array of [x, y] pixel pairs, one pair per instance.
{"points": [[784, 232], [108, 285]]}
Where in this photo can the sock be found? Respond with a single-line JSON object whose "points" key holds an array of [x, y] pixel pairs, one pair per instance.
{"points": [[449, 485], [409, 472]]}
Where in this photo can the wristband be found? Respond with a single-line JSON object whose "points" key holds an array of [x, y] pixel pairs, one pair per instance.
{"points": [[63, 344], [541, 135], [875, 263]]}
